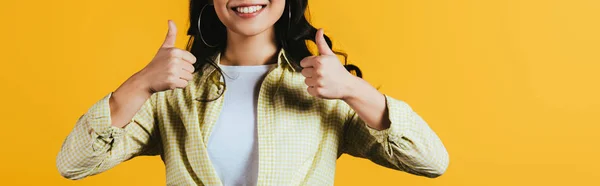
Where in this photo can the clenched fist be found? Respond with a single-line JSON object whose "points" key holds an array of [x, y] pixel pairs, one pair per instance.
{"points": [[170, 68], [325, 76]]}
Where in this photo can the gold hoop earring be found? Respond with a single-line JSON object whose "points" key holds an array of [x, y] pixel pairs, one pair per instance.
{"points": [[200, 30]]}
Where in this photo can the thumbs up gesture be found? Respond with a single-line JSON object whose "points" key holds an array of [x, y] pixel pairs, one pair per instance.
{"points": [[325, 75], [170, 68]]}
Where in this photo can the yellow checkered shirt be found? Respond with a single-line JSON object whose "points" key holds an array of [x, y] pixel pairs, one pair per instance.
{"points": [[300, 137]]}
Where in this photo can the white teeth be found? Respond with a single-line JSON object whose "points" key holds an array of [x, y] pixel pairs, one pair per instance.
{"points": [[249, 9]]}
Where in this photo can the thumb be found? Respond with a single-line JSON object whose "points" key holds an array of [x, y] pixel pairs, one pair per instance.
{"points": [[171, 36], [322, 44]]}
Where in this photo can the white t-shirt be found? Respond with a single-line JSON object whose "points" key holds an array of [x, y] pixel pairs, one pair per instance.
{"points": [[233, 143]]}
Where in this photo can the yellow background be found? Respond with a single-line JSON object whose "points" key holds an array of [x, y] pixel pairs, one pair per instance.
{"points": [[510, 86]]}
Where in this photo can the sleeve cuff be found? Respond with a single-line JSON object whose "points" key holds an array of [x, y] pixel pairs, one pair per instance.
{"points": [[400, 116], [99, 119], [101, 142]]}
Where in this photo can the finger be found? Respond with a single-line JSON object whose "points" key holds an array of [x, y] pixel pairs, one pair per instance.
{"points": [[307, 62], [311, 82], [180, 83], [184, 55], [308, 72], [186, 76], [188, 57], [171, 36], [322, 44], [188, 67], [312, 91]]}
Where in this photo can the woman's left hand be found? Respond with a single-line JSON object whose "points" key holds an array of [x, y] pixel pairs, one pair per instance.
{"points": [[325, 75]]}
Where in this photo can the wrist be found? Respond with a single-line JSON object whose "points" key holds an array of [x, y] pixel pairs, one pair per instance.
{"points": [[131, 94], [139, 81], [360, 91], [135, 87], [352, 88]]}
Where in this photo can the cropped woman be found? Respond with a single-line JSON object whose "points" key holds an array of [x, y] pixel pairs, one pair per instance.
{"points": [[247, 103]]}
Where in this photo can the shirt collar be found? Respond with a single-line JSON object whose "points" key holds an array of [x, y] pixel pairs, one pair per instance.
{"points": [[206, 90], [282, 60]]}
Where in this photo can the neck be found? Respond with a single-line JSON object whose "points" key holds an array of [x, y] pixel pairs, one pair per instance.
{"points": [[241, 50]]}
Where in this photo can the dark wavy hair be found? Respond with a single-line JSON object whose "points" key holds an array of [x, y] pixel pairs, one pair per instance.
{"points": [[292, 31]]}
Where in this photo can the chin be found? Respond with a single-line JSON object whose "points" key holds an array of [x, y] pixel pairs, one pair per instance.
{"points": [[249, 30]]}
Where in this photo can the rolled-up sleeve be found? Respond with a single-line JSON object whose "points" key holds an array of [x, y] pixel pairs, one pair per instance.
{"points": [[94, 145], [409, 144]]}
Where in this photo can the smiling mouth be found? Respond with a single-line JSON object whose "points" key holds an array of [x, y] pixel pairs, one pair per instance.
{"points": [[248, 9]]}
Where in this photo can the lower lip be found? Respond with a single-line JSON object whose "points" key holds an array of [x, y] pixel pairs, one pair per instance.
{"points": [[249, 15]]}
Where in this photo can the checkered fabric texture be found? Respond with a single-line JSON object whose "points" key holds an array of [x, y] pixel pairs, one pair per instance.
{"points": [[300, 137]]}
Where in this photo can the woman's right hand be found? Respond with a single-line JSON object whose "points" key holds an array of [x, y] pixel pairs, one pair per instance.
{"points": [[170, 68]]}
